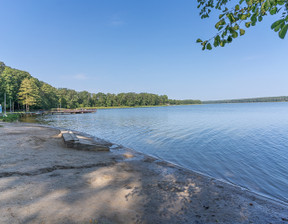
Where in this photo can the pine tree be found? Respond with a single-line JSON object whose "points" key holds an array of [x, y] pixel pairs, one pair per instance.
{"points": [[28, 93]]}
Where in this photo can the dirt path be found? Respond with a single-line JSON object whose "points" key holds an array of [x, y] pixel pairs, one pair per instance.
{"points": [[42, 181]]}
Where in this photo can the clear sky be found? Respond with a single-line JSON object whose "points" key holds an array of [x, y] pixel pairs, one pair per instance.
{"points": [[139, 46]]}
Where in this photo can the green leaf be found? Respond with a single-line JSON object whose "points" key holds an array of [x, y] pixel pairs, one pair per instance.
{"points": [[273, 11], [199, 40], [276, 23], [234, 34], [221, 22], [253, 18], [216, 41], [209, 47], [247, 24], [277, 28], [260, 18], [267, 5], [229, 39], [243, 16], [222, 43], [249, 2], [283, 31], [231, 18], [272, 2], [242, 32], [236, 27]]}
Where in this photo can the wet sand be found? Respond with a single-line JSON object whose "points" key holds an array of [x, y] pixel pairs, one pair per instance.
{"points": [[42, 181]]}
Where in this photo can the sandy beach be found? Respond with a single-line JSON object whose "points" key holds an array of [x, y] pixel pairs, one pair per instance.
{"points": [[43, 181]]}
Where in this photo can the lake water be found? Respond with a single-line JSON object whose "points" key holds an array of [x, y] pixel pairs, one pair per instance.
{"points": [[245, 144]]}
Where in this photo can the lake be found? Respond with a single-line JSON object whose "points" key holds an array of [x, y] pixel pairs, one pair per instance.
{"points": [[244, 144]]}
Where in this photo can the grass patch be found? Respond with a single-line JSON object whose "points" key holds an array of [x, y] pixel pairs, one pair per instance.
{"points": [[10, 117]]}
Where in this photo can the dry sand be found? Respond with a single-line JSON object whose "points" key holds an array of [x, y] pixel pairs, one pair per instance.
{"points": [[42, 181]]}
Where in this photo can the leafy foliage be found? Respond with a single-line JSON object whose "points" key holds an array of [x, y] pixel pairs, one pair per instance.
{"points": [[235, 20], [10, 81]]}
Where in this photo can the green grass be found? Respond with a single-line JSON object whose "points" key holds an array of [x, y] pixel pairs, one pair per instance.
{"points": [[10, 117]]}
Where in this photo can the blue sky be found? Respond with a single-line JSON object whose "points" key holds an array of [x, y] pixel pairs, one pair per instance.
{"points": [[139, 46]]}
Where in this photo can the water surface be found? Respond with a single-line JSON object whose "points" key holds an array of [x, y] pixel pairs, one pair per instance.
{"points": [[245, 144]]}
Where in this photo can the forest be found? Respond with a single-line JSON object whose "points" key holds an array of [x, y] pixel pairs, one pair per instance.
{"points": [[24, 92]]}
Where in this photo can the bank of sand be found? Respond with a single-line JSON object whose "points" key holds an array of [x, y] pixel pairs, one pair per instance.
{"points": [[42, 181]]}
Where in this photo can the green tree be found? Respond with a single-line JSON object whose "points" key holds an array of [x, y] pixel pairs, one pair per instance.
{"points": [[164, 99], [110, 100], [72, 99], [10, 81], [61, 94], [100, 99], [2, 66], [28, 93], [49, 98], [84, 98], [235, 18], [120, 99]]}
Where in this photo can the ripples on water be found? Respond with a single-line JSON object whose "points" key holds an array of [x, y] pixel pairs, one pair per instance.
{"points": [[246, 144]]}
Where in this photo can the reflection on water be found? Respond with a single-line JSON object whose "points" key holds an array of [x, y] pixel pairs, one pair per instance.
{"points": [[246, 144], [33, 119]]}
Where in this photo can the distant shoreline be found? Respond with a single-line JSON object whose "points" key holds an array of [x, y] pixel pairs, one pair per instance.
{"points": [[277, 99], [128, 107]]}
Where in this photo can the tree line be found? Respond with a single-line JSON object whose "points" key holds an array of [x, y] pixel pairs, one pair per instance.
{"points": [[24, 92], [250, 100], [184, 102]]}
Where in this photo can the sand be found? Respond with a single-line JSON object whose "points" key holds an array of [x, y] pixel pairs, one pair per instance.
{"points": [[42, 181]]}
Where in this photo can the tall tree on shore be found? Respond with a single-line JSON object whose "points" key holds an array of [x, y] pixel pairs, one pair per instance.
{"points": [[28, 93], [10, 81]]}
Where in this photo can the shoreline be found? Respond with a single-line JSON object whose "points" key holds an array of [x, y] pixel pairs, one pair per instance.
{"points": [[269, 197], [131, 186]]}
